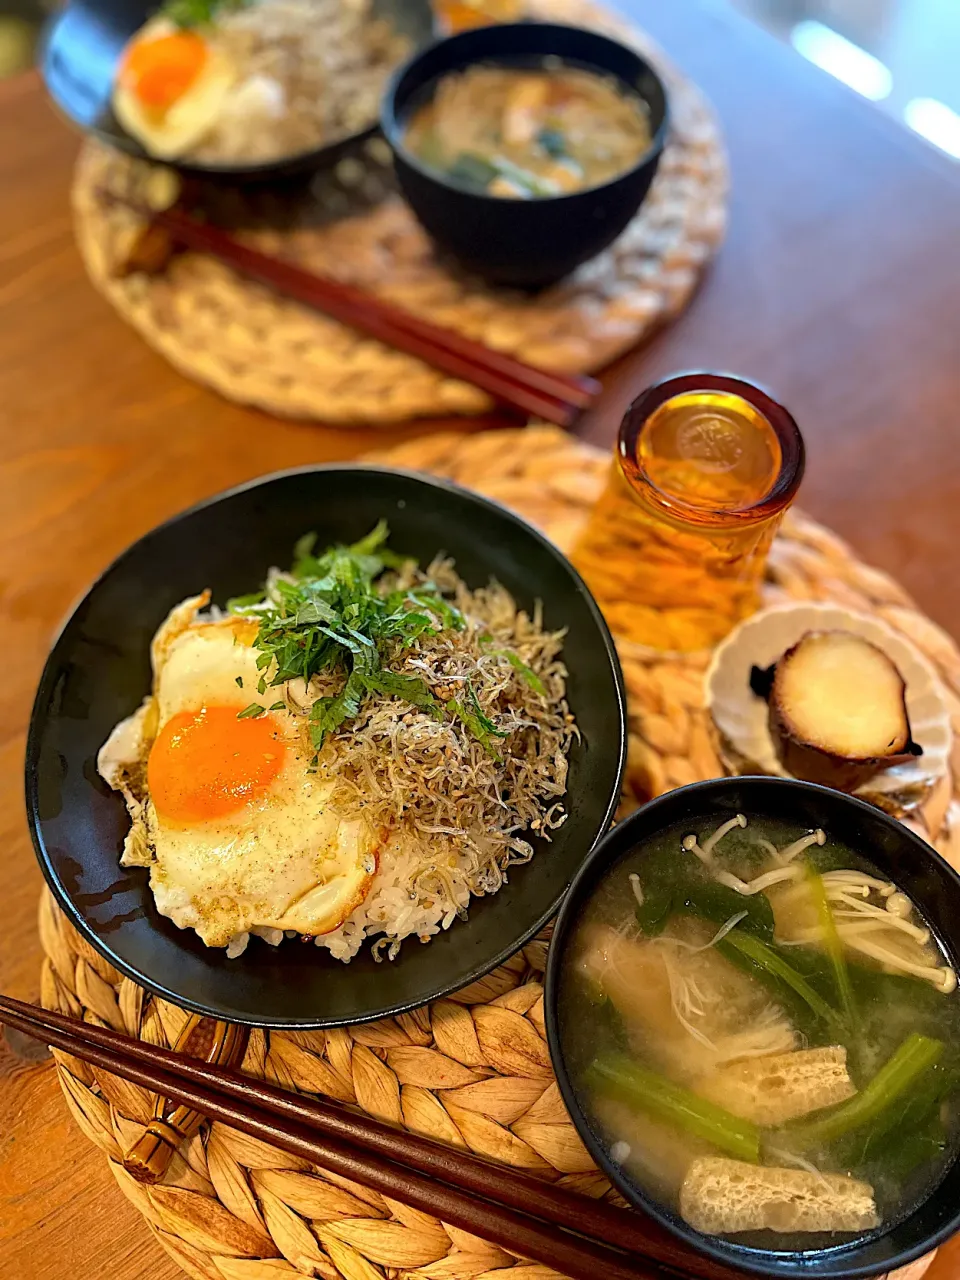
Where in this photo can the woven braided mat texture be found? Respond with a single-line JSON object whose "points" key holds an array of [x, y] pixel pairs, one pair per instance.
{"points": [[256, 347], [472, 1070]]}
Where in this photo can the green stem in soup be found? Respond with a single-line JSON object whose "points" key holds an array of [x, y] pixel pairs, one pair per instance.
{"points": [[475, 170], [617, 1076], [898, 1136], [472, 170], [832, 944], [664, 893], [553, 142], [431, 150], [765, 960], [894, 1081], [523, 177]]}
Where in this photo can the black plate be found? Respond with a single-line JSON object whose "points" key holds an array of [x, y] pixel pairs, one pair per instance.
{"points": [[912, 864], [99, 672], [82, 46]]}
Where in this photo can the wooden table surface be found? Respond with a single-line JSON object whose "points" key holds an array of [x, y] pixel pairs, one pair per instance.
{"points": [[839, 287]]}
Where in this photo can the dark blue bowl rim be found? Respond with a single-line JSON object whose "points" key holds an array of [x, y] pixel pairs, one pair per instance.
{"points": [[757, 1261], [392, 128], [47, 677]]}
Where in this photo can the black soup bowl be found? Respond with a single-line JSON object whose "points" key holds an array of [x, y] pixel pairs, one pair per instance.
{"points": [[523, 243], [899, 854], [99, 671]]}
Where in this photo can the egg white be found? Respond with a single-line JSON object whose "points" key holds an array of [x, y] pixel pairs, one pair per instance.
{"points": [[171, 133], [286, 860]]}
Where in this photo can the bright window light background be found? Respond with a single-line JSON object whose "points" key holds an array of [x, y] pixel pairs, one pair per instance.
{"points": [[842, 59], [901, 54], [935, 121], [868, 76]]}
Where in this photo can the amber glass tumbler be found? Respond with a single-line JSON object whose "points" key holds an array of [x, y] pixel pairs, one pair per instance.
{"points": [[674, 550]]}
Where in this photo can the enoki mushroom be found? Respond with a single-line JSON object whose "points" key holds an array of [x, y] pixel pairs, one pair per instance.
{"points": [[692, 946], [705, 853], [849, 908], [712, 841], [636, 887], [942, 977], [848, 892], [784, 856], [785, 1157], [788, 854], [769, 1032], [686, 999]]}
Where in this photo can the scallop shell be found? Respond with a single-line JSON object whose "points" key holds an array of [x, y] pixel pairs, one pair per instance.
{"points": [[740, 717]]}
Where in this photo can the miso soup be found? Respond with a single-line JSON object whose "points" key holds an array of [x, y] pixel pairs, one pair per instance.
{"points": [[523, 134], [763, 1031]]}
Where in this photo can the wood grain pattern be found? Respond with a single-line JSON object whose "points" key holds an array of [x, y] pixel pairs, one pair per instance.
{"points": [[837, 286]]}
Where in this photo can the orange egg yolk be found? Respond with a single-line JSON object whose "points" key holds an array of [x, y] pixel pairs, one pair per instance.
{"points": [[161, 70], [205, 764]]}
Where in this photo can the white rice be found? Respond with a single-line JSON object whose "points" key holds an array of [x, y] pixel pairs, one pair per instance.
{"points": [[312, 72], [391, 908]]}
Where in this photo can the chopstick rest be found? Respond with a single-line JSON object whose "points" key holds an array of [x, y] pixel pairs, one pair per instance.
{"points": [[221, 1044]]}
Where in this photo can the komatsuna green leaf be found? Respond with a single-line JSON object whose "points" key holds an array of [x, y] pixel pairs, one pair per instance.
{"points": [[198, 13], [554, 143]]}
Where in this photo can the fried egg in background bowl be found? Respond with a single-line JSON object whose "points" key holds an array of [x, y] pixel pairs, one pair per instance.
{"points": [[174, 86], [239, 834]]}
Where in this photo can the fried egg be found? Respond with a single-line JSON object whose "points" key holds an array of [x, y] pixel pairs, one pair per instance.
{"points": [[171, 88], [239, 834]]}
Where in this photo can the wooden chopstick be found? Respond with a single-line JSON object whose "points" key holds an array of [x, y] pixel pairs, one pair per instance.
{"points": [[577, 1257], [555, 397], [388, 1160], [623, 1229]]}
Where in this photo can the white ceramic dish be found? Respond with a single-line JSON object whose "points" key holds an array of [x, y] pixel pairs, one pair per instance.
{"points": [[740, 717]]}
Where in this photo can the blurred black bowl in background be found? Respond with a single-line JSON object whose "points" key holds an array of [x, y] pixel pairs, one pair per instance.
{"points": [[81, 48], [525, 243]]}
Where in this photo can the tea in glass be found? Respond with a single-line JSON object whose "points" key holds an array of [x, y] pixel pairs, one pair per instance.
{"points": [[675, 548]]}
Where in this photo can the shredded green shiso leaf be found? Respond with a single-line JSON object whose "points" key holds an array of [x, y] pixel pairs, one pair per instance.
{"points": [[332, 615], [198, 13]]}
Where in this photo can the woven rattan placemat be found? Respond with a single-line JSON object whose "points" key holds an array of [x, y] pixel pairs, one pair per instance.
{"points": [[253, 346], [473, 1069]]}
